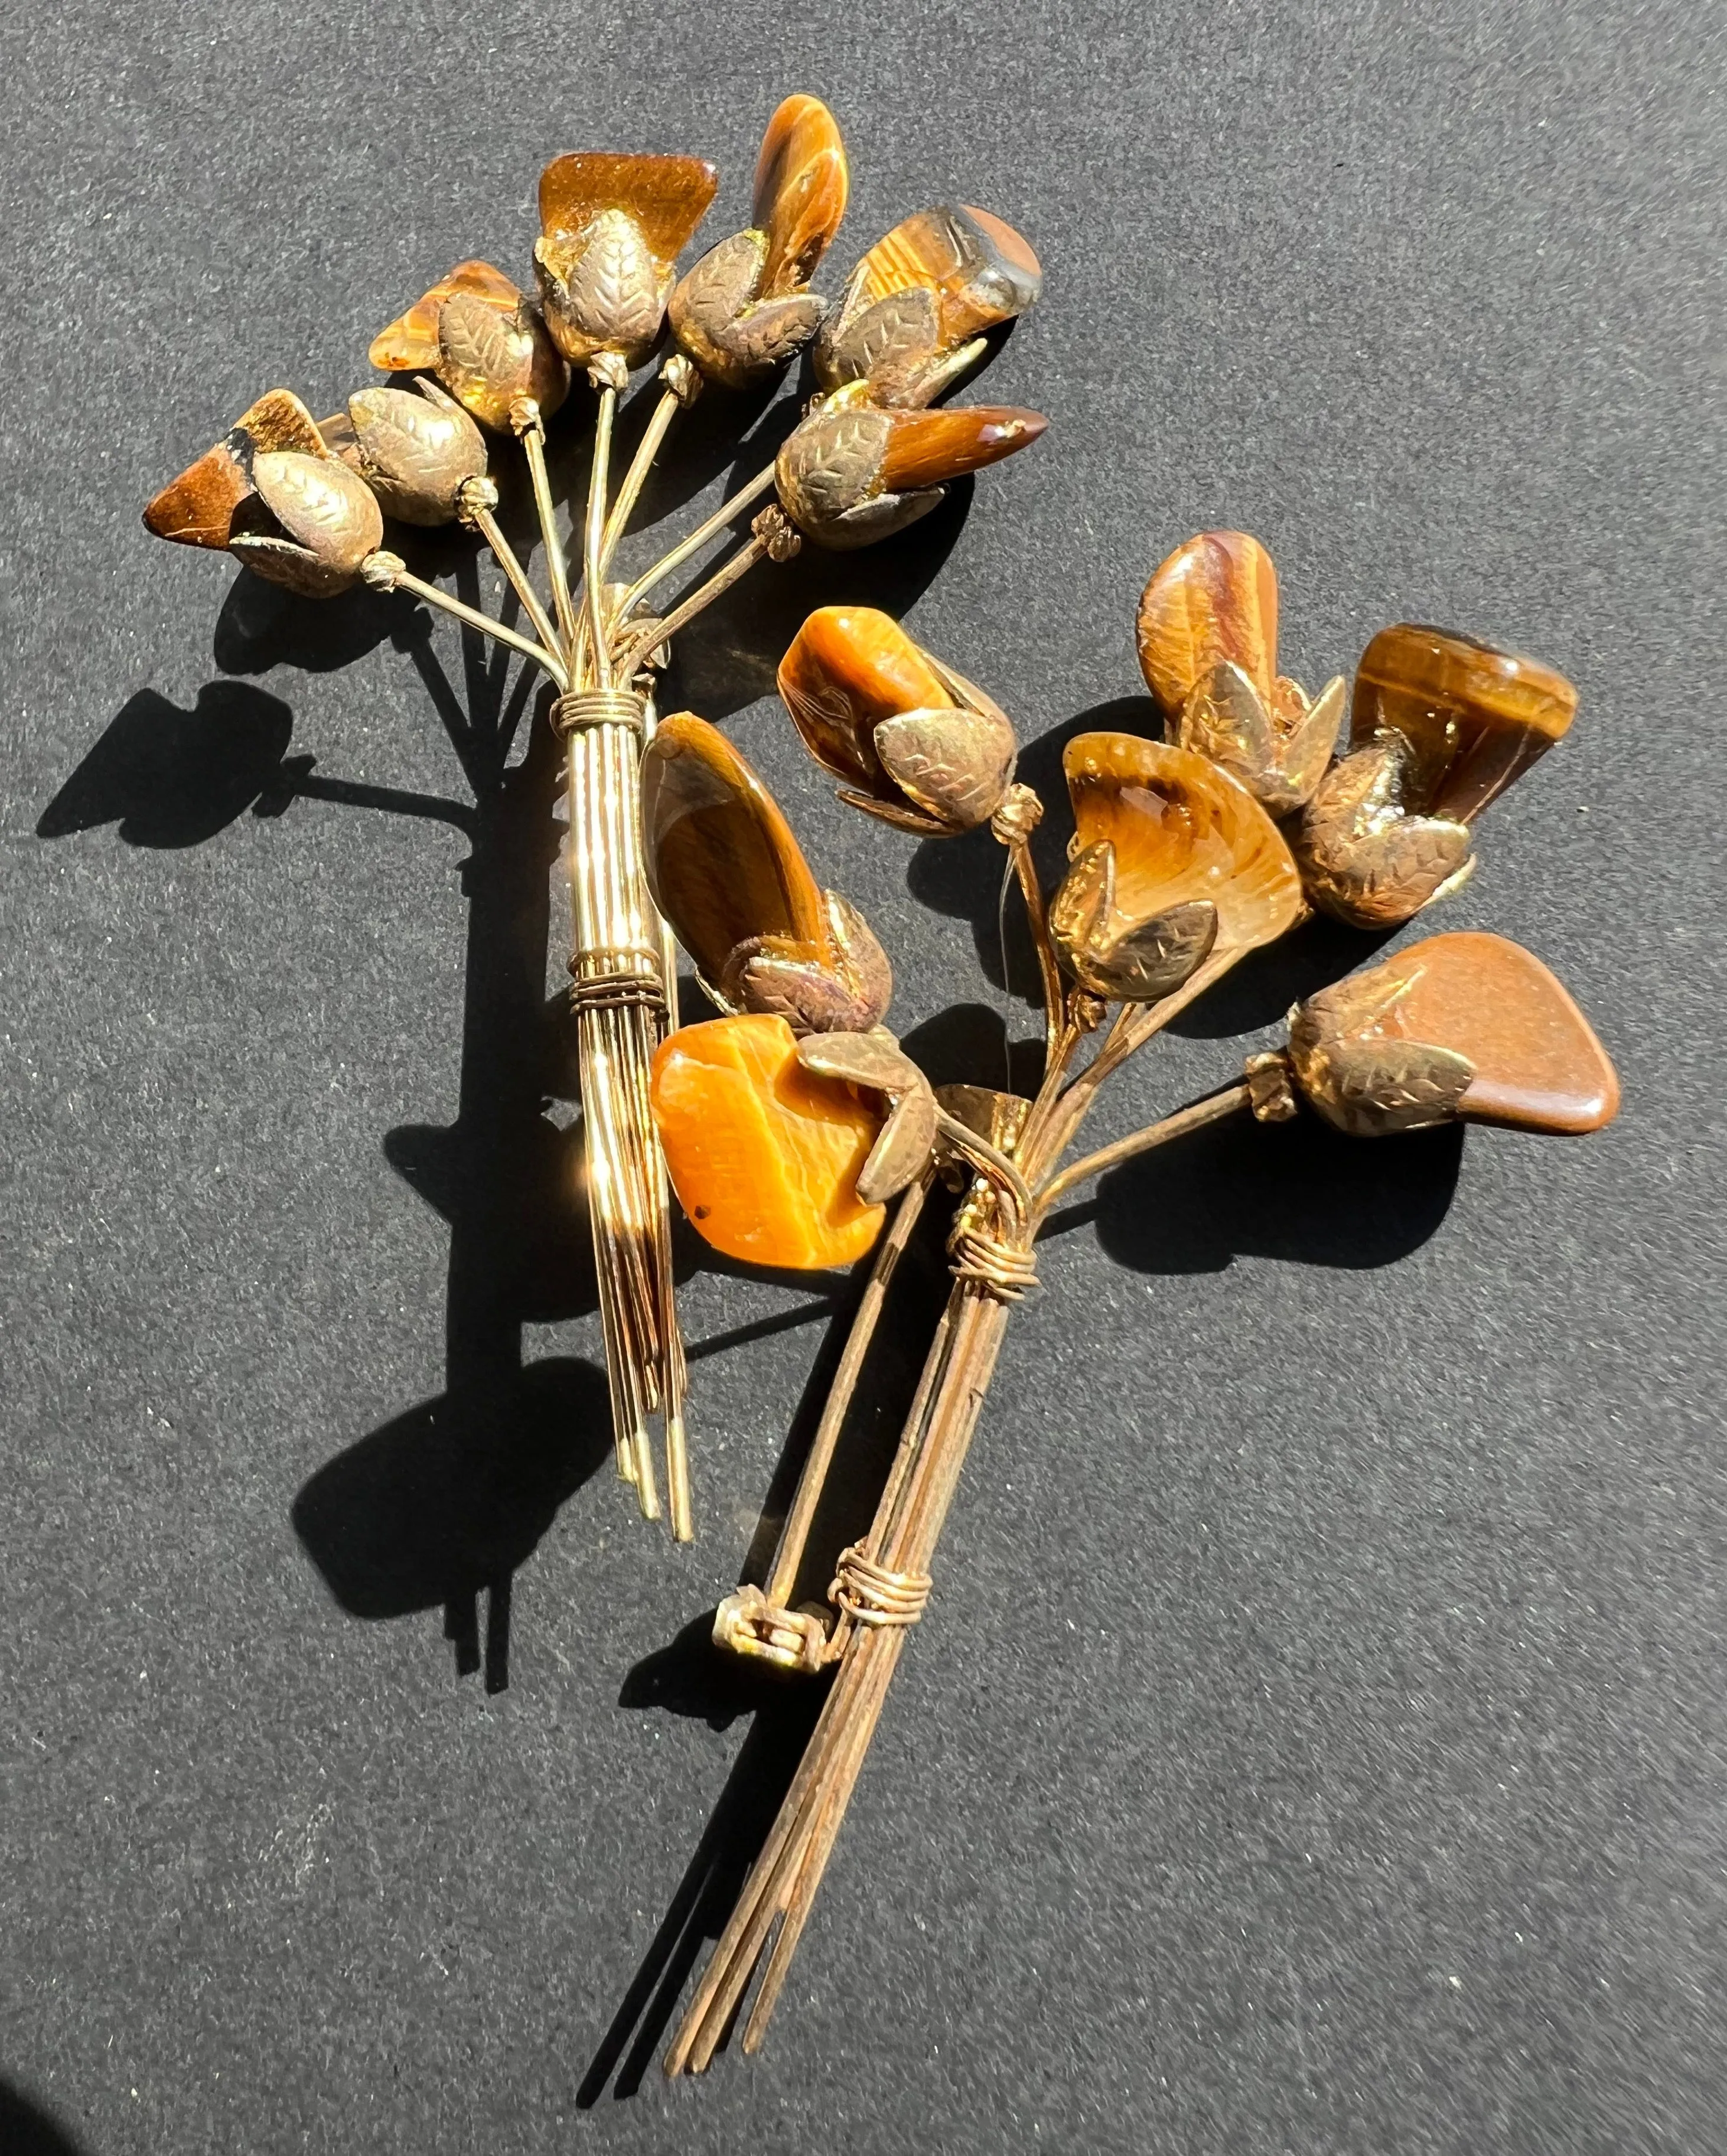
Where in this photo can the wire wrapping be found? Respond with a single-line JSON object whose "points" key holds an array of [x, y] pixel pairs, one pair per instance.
{"points": [[872, 1595]]}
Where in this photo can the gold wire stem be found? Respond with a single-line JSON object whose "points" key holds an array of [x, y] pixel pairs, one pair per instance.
{"points": [[1048, 968], [782, 1885], [1211, 1110], [531, 429], [403, 580], [694, 542], [633, 648], [593, 537], [487, 526], [790, 1556], [640, 465]]}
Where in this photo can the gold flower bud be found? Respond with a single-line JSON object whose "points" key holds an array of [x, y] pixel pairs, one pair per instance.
{"points": [[1441, 726], [1208, 648], [918, 745], [915, 312], [1174, 862], [276, 495], [744, 309], [611, 229], [416, 453], [484, 341], [726, 870], [1466, 1024], [849, 473]]}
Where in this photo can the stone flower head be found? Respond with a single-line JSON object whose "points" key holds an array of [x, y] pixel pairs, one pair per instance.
{"points": [[483, 340], [612, 229], [726, 870], [912, 741], [746, 308], [851, 473], [1440, 726]]}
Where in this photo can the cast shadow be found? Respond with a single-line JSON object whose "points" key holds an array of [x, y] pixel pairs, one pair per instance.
{"points": [[27, 2130], [452, 1498], [1299, 1192]]}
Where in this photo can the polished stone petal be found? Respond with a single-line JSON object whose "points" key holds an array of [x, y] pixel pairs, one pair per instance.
{"points": [[1476, 717], [197, 509], [764, 1154], [666, 197], [411, 341], [415, 452], [847, 670], [800, 191], [1535, 1061], [982, 272], [1216, 598], [723, 866], [1182, 830], [924, 448]]}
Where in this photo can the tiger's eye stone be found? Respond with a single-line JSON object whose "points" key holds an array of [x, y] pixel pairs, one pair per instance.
{"points": [[847, 669], [925, 447], [411, 341], [667, 197], [723, 863], [1214, 599], [801, 192], [981, 271], [763, 1153], [1476, 717], [1538, 1064], [197, 508], [1182, 830]]}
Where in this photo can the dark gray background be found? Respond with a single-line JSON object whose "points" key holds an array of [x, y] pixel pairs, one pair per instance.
{"points": [[1317, 1743]]}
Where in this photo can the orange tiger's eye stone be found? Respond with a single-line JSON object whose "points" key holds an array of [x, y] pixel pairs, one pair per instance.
{"points": [[667, 197], [197, 509], [723, 863], [801, 187], [924, 448], [847, 669], [981, 271], [1183, 830], [763, 1154], [1476, 717], [1538, 1064], [1216, 598], [411, 341]]}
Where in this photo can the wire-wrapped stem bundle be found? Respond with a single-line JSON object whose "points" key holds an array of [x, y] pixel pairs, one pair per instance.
{"points": [[619, 990]]}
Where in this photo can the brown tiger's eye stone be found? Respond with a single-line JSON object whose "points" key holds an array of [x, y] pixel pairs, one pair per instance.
{"points": [[925, 447], [1538, 1064], [723, 863], [800, 192], [667, 197], [1183, 831], [847, 669], [1476, 717], [981, 271], [764, 1154], [1214, 599], [411, 341], [197, 509]]}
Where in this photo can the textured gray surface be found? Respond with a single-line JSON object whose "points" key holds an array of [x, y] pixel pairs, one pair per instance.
{"points": [[1318, 1741]]}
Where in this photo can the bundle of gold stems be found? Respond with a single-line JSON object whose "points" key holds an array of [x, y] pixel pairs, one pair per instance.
{"points": [[883, 1581], [600, 646]]}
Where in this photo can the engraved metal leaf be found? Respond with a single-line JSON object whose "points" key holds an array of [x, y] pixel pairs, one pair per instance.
{"points": [[1153, 959], [955, 765], [862, 961], [875, 1059], [903, 1152], [1371, 1088], [330, 509], [888, 812]]}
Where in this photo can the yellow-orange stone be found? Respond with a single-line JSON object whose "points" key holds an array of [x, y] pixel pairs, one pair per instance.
{"points": [[847, 670], [1183, 830], [1214, 598], [925, 447], [1538, 1064], [668, 196], [1476, 717], [801, 184], [763, 1154]]}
